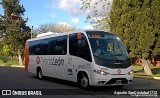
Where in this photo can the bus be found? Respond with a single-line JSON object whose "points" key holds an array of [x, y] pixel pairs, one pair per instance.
{"points": [[89, 57]]}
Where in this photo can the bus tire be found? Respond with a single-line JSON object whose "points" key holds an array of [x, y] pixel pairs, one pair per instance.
{"points": [[84, 81], [39, 74]]}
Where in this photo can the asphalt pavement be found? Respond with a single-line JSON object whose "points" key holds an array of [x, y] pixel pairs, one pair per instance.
{"points": [[18, 81]]}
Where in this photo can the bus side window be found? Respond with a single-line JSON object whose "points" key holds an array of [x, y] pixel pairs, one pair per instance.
{"points": [[73, 45], [48, 47], [83, 50], [64, 46], [52, 46], [61, 45], [88, 53], [37, 48], [79, 47], [31, 48], [44, 46]]}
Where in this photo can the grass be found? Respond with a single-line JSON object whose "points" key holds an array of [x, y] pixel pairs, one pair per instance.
{"points": [[13, 62], [7, 61], [138, 71]]}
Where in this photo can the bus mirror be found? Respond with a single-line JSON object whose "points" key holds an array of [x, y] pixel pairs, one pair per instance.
{"points": [[79, 36]]}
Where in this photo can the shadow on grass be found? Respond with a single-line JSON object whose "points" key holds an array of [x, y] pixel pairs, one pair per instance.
{"points": [[140, 72], [137, 71], [156, 71]]}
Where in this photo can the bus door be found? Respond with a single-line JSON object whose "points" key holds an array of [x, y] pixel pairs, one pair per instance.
{"points": [[71, 67], [61, 58], [80, 56]]}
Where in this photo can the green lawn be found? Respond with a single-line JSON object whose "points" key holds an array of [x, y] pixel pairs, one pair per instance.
{"points": [[138, 70], [8, 62]]}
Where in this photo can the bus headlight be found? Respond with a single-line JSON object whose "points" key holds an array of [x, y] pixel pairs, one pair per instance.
{"points": [[101, 72], [130, 73]]}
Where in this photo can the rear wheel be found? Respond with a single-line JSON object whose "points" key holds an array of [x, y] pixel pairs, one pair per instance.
{"points": [[39, 74]]}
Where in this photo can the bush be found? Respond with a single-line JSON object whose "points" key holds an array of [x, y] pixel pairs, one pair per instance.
{"points": [[4, 59], [1, 62], [8, 60]]}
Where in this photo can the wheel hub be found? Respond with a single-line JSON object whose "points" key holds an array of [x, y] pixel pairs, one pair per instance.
{"points": [[84, 82]]}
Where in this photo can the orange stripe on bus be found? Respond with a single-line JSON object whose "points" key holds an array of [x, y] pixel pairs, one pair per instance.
{"points": [[26, 53]]}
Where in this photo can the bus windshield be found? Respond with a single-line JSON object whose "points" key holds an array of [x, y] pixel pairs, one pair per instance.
{"points": [[106, 46]]}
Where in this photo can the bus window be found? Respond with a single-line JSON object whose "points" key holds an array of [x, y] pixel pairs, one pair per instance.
{"points": [[37, 47], [73, 45], [79, 36], [44, 47], [79, 47], [52, 46], [61, 45], [31, 48]]}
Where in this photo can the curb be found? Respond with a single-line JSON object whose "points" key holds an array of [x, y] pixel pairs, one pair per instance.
{"points": [[17, 66], [13, 66], [157, 78]]}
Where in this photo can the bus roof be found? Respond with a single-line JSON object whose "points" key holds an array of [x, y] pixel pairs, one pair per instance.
{"points": [[66, 33], [46, 34]]}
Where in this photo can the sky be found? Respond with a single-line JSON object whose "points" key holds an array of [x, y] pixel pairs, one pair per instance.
{"points": [[54, 11], [66, 12]]}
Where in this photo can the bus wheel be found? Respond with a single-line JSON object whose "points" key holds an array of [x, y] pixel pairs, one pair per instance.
{"points": [[39, 74], [84, 82]]}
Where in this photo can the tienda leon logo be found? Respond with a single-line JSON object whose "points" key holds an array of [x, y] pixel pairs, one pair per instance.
{"points": [[38, 60]]}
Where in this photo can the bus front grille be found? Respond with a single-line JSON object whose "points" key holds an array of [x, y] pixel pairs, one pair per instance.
{"points": [[117, 81]]}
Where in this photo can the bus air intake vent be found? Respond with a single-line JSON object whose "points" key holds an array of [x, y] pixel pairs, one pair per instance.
{"points": [[117, 81]]}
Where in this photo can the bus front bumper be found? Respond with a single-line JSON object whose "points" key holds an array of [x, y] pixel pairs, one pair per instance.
{"points": [[109, 80]]}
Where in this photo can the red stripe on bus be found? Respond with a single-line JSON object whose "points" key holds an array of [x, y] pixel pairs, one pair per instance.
{"points": [[26, 53]]}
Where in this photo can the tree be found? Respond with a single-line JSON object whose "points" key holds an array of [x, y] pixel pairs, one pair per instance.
{"points": [[2, 27], [7, 50], [44, 28], [1, 47], [14, 26], [58, 28], [96, 11], [137, 22]]}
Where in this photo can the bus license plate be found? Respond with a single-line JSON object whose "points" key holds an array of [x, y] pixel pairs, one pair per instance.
{"points": [[118, 81]]}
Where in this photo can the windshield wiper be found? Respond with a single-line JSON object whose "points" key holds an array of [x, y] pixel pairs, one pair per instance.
{"points": [[101, 57], [111, 55], [126, 57]]}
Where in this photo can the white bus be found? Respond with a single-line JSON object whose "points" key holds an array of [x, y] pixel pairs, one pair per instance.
{"points": [[91, 58]]}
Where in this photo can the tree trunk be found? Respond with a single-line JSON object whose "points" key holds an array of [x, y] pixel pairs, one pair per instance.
{"points": [[146, 67], [20, 57]]}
